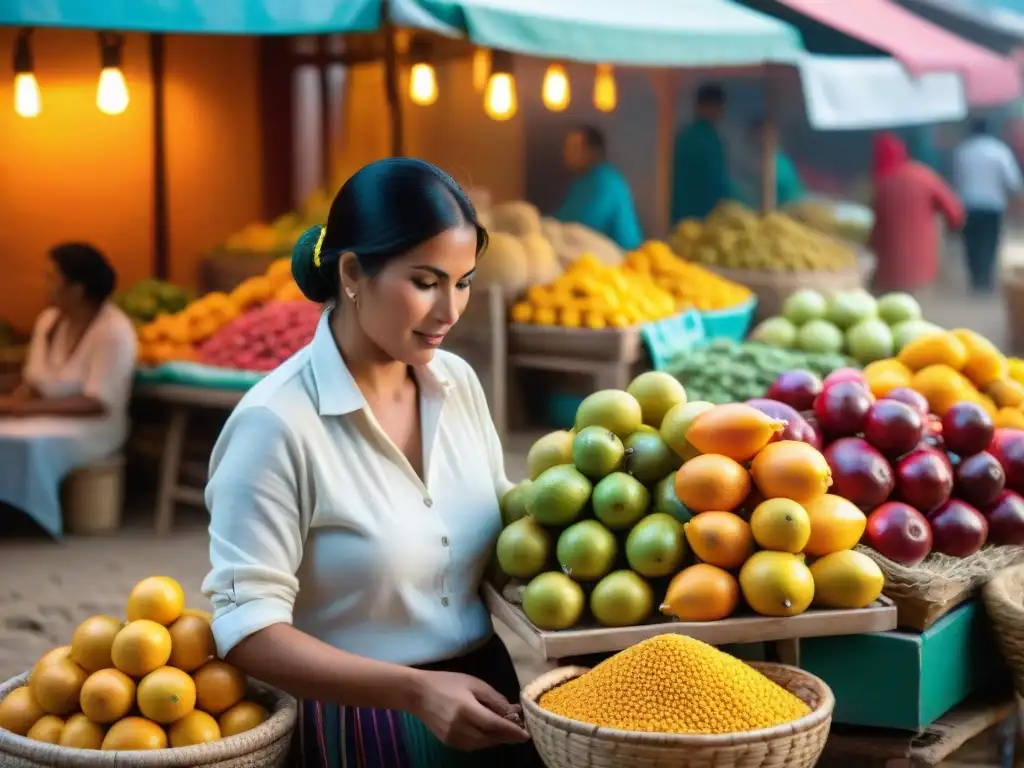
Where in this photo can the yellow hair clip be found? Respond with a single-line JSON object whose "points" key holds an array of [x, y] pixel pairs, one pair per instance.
{"points": [[319, 245]]}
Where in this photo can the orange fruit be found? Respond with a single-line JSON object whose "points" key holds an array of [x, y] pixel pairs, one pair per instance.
{"points": [[712, 482], [720, 538], [791, 470], [219, 686], [20, 711], [90, 645], [196, 727], [192, 642], [141, 647], [57, 685], [244, 716], [701, 592], [166, 695], [198, 612], [62, 653], [158, 598], [836, 524], [734, 430], [134, 733], [107, 695], [47, 729], [81, 733]]}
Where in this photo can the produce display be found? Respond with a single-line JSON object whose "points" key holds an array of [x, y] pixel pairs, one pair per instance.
{"points": [[152, 682], [846, 221], [851, 322], [281, 234], [674, 684], [723, 371], [263, 338], [148, 299], [701, 504], [735, 237], [692, 286]]}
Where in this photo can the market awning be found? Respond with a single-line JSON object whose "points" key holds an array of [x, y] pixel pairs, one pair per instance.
{"points": [[867, 27], [969, 22]]}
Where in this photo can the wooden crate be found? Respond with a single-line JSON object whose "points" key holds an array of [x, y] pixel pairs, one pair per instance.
{"points": [[225, 270], [613, 345]]}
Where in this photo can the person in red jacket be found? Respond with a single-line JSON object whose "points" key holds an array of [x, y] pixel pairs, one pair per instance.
{"points": [[907, 196]]}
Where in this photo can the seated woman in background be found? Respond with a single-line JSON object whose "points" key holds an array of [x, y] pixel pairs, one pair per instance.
{"points": [[71, 407]]}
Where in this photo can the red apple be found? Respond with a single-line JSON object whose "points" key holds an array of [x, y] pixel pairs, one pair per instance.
{"points": [[958, 529], [980, 479], [796, 388], [1008, 448], [924, 479], [910, 397], [967, 428], [899, 532], [845, 374], [842, 408], [1006, 519], [893, 427], [859, 472]]}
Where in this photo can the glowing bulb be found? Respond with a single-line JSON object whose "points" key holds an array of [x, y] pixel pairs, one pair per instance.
{"points": [[481, 68], [112, 92], [27, 100], [556, 88], [422, 85], [605, 92], [500, 98]]}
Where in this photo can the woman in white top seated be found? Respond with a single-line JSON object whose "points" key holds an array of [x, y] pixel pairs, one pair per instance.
{"points": [[354, 497], [71, 407]]}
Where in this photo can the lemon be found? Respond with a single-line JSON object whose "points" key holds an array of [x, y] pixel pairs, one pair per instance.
{"points": [[781, 525]]}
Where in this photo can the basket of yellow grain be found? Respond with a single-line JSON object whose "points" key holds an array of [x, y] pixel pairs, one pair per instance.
{"points": [[672, 701]]}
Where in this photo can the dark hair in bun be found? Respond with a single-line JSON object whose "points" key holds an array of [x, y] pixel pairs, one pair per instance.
{"points": [[82, 264], [385, 210]]}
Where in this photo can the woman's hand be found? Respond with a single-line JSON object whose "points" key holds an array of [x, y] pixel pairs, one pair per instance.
{"points": [[466, 713]]}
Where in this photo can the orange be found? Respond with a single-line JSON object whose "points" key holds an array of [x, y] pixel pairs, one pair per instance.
{"points": [[56, 686], [107, 695], [791, 470], [158, 598], [134, 733], [720, 538], [985, 363], [166, 695], [219, 686], [192, 642], [20, 711], [90, 645], [198, 612], [141, 647], [244, 716], [836, 524], [62, 653], [712, 482], [701, 592], [47, 729], [196, 727], [81, 733], [735, 430]]}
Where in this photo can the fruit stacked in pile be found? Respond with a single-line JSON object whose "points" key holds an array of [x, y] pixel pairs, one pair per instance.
{"points": [[849, 322], [692, 286], [594, 295], [263, 338], [148, 299], [150, 683], [617, 509], [928, 484]]}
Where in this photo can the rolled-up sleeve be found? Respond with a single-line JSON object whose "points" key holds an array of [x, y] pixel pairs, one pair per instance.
{"points": [[256, 534]]}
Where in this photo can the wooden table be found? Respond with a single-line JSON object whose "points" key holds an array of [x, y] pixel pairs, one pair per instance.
{"points": [[181, 402]]}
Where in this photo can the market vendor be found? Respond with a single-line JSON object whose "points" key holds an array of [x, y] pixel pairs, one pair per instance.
{"points": [[354, 496], [71, 407], [598, 196], [700, 173]]}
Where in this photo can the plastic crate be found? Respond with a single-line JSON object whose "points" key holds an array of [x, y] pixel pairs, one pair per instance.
{"points": [[732, 323]]}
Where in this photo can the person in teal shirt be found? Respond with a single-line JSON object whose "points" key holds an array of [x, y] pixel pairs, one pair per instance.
{"points": [[788, 186], [599, 196], [700, 178]]}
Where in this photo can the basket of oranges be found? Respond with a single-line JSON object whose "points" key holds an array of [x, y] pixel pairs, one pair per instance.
{"points": [[151, 686]]}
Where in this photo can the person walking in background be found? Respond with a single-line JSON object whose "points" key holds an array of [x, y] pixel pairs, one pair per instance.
{"points": [[907, 196], [986, 176], [700, 177], [599, 196]]}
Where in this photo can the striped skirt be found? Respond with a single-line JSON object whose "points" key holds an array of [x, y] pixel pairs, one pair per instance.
{"points": [[330, 736]]}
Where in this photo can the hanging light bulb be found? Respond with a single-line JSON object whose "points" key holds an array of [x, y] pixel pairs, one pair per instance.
{"points": [[555, 91], [605, 92], [422, 78], [500, 100], [481, 68], [112, 91], [27, 100]]}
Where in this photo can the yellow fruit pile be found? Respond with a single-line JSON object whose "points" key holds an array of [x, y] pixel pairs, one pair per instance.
{"points": [[675, 684], [174, 337], [692, 286], [950, 367], [593, 295], [150, 683]]}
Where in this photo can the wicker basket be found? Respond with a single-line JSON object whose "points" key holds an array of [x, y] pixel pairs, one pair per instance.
{"points": [[1004, 602], [564, 743], [266, 746]]}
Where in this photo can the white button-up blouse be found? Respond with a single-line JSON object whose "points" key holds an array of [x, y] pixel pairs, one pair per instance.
{"points": [[318, 520]]}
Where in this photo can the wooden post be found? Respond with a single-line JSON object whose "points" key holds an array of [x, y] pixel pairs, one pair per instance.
{"points": [[665, 95], [391, 79], [161, 227], [770, 145]]}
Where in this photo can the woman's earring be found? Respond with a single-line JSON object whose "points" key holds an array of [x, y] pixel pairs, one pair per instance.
{"points": [[350, 293]]}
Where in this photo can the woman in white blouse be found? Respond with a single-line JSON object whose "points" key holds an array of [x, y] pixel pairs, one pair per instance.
{"points": [[71, 407], [354, 496]]}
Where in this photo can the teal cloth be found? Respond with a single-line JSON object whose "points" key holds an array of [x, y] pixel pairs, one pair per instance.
{"points": [[700, 177], [601, 199], [788, 186]]}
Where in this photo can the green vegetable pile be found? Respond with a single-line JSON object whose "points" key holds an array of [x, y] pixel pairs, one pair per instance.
{"points": [[149, 298], [726, 372]]}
